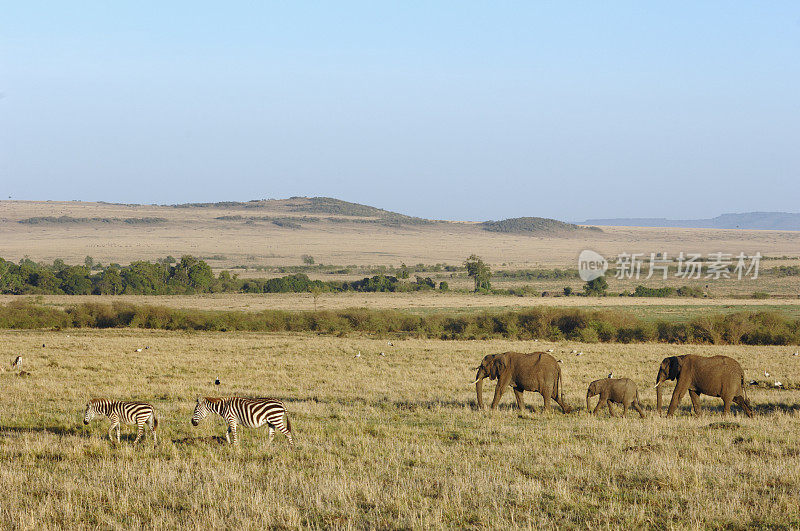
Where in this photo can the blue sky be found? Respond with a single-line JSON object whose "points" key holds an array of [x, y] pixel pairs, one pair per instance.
{"points": [[454, 110]]}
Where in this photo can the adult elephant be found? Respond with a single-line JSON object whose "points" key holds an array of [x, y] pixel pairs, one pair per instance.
{"points": [[538, 371], [718, 376]]}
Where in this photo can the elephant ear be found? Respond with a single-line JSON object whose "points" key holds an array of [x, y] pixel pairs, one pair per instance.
{"points": [[498, 366], [675, 366]]}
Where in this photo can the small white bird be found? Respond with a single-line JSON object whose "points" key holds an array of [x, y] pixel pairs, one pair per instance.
{"points": [[138, 350], [560, 361], [574, 351], [550, 350], [766, 374], [611, 374], [147, 347], [778, 384], [579, 353], [535, 340], [796, 354], [382, 354], [390, 343], [358, 355], [753, 382]]}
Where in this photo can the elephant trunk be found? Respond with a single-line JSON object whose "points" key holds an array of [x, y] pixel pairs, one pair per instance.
{"points": [[588, 395], [479, 391]]}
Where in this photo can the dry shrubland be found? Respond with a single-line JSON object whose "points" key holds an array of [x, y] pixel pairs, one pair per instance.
{"points": [[381, 441]]}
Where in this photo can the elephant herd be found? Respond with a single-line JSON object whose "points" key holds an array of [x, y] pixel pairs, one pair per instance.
{"points": [[718, 376]]}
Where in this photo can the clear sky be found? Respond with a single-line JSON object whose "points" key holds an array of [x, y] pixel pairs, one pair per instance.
{"points": [[453, 110]]}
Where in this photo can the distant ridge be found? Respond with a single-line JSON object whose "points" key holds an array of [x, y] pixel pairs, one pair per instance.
{"points": [[318, 205], [534, 225], [747, 220]]}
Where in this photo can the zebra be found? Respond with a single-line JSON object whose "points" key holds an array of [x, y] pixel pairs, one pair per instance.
{"points": [[139, 413], [249, 412]]}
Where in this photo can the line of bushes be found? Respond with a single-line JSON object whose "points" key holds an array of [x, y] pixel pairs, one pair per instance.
{"points": [[173, 277], [750, 328]]}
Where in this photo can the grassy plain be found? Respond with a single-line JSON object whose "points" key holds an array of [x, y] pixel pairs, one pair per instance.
{"points": [[673, 309], [390, 441], [197, 231]]}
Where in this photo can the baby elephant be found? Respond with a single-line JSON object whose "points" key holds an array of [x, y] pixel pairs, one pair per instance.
{"points": [[618, 390]]}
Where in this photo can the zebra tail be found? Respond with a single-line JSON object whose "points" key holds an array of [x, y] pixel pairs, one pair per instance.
{"points": [[288, 422], [155, 422]]}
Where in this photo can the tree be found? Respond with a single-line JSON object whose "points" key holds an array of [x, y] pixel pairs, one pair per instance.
{"points": [[567, 291], [444, 286], [88, 262], [479, 271], [308, 259], [403, 271], [596, 287]]}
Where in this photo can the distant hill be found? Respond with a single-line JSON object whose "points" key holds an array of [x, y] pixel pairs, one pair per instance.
{"points": [[747, 220], [533, 225], [318, 205]]}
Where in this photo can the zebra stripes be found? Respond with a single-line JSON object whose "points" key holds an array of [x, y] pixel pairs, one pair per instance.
{"points": [[249, 412], [139, 413]]}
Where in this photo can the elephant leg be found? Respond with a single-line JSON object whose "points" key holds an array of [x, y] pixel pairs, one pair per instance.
{"points": [[502, 383], [598, 406], [546, 397], [624, 409], [520, 399], [610, 410], [680, 389], [638, 408], [743, 404], [695, 396], [726, 404]]}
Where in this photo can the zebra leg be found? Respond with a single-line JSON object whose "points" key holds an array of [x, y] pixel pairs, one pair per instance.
{"points": [[271, 433], [235, 434], [151, 422], [284, 430], [228, 434], [114, 425], [139, 431]]}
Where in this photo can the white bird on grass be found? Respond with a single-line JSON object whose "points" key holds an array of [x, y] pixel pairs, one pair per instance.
{"points": [[358, 355], [579, 353], [611, 374], [766, 374], [550, 350], [382, 354], [138, 350], [778, 384], [390, 344]]}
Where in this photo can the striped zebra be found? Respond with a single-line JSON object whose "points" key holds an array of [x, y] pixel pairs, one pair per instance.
{"points": [[139, 413], [249, 412]]}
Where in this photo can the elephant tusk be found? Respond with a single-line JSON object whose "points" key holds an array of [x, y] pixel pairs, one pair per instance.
{"points": [[659, 383], [476, 381]]}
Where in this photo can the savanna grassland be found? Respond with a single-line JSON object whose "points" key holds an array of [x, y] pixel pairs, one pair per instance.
{"points": [[246, 234], [382, 441]]}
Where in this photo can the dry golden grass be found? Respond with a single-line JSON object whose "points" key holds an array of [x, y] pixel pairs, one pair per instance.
{"points": [[388, 441], [195, 231]]}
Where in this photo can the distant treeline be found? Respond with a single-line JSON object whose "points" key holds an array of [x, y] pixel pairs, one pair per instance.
{"points": [[552, 324], [170, 277]]}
